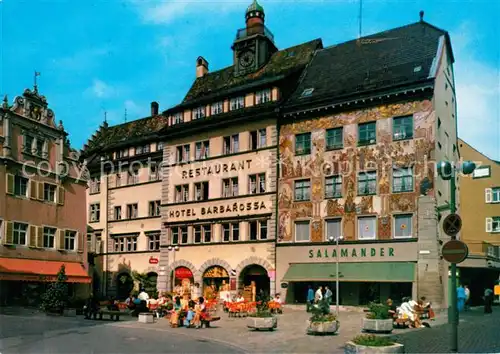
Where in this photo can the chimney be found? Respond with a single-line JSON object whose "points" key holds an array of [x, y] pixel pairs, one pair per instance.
{"points": [[421, 16], [201, 67], [154, 108]]}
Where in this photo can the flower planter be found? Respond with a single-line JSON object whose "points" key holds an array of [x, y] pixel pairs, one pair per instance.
{"points": [[329, 327], [262, 323], [377, 326], [146, 317], [353, 348]]}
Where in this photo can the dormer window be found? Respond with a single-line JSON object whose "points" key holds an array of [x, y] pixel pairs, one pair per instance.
{"points": [[178, 118], [237, 103], [307, 92], [263, 96], [198, 113], [122, 153], [142, 149], [217, 108]]}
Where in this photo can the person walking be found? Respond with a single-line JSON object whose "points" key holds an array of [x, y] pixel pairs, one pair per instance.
{"points": [[328, 295], [467, 298], [460, 298], [488, 300], [319, 294], [310, 298]]}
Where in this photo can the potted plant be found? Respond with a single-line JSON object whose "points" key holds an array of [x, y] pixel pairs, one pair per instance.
{"points": [[262, 318], [322, 321], [378, 319], [370, 343], [55, 298]]}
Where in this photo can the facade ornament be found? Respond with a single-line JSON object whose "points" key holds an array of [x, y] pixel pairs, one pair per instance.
{"points": [[5, 104], [60, 126]]}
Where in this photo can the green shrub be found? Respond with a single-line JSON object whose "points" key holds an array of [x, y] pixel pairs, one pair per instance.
{"points": [[321, 312], [378, 311], [371, 340], [55, 298], [262, 306]]}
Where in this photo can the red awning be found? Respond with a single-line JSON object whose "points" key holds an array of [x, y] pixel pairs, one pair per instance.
{"points": [[183, 273], [38, 270]]}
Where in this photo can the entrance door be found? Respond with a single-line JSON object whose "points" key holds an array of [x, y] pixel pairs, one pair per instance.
{"points": [[254, 281]]}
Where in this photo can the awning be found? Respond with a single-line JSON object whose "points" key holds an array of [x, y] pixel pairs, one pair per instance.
{"points": [[370, 271], [38, 270]]}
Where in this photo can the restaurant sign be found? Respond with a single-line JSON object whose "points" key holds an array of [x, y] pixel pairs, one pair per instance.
{"points": [[216, 169], [346, 252]]}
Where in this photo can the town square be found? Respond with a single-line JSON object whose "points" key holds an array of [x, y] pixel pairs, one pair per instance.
{"points": [[249, 176]]}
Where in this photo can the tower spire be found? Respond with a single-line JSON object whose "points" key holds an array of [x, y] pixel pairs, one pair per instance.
{"points": [[35, 86]]}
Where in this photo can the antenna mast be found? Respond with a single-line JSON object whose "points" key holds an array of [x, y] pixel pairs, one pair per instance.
{"points": [[360, 18]]}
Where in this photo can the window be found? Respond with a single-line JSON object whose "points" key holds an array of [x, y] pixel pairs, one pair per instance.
{"points": [[122, 153], [184, 234], [154, 208], [183, 153], [198, 113], [235, 229], [495, 195], [201, 191], [175, 235], [69, 240], [201, 150], [367, 183], [481, 172], [202, 233], [154, 242], [334, 139], [118, 180], [20, 186], [333, 187], [217, 108], [263, 96], [493, 224], [28, 144], [95, 185], [95, 212], [303, 144], [133, 176], [153, 173], [231, 144], [49, 236], [307, 92], [302, 190], [178, 118], [159, 146], [49, 192], [40, 143], [367, 227], [403, 226], [237, 103], [230, 187], [117, 213], [144, 149], [257, 183], [125, 243], [402, 180], [333, 229], [367, 133], [182, 193], [402, 128], [132, 211], [230, 232], [257, 230], [19, 233], [258, 139], [302, 231], [226, 232]]}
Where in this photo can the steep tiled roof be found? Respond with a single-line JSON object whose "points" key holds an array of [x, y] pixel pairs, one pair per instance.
{"points": [[280, 64], [132, 131], [399, 56]]}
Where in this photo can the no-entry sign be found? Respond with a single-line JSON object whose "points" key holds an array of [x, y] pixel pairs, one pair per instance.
{"points": [[452, 225], [455, 251]]}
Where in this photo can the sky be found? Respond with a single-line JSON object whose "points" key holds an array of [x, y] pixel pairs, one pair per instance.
{"points": [[117, 56]]}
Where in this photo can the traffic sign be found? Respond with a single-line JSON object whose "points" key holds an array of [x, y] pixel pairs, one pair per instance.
{"points": [[452, 224], [455, 251]]}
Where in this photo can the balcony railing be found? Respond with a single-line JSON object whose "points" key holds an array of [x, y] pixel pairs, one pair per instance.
{"points": [[256, 29]]}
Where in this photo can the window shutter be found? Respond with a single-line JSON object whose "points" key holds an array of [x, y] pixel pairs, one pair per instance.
{"points": [[60, 240], [40, 191], [9, 184], [79, 240], [9, 233], [60, 195], [489, 224], [32, 236], [39, 237], [33, 189], [488, 195]]}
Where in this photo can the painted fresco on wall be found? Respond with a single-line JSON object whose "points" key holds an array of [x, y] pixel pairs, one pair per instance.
{"points": [[381, 157]]}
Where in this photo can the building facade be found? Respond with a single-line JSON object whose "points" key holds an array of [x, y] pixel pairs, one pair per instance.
{"points": [[42, 208], [219, 174], [357, 150], [123, 204], [480, 212]]}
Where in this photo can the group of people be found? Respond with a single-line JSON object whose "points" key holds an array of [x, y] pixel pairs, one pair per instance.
{"points": [[411, 310], [320, 294], [463, 299], [190, 316]]}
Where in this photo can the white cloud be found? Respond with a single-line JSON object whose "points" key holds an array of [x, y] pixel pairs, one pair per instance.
{"points": [[101, 89], [478, 94]]}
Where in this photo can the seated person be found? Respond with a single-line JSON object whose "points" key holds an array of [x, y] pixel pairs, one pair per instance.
{"points": [[188, 321], [408, 310], [240, 298], [113, 304], [277, 299], [392, 308], [426, 305], [175, 313]]}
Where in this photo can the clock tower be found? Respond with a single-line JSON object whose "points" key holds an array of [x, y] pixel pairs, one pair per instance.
{"points": [[254, 44]]}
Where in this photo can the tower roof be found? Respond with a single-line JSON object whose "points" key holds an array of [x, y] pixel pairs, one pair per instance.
{"points": [[254, 7]]}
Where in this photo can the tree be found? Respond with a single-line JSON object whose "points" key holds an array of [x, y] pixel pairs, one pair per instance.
{"points": [[55, 297], [148, 282]]}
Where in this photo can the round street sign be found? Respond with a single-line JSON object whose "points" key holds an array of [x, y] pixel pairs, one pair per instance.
{"points": [[455, 251], [452, 224]]}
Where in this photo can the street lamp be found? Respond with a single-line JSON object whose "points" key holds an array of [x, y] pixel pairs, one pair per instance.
{"points": [[173, 249], [336, 240]]}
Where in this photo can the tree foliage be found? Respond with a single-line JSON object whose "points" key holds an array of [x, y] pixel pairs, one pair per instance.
{"points": [[55, 297], [148, 282]]}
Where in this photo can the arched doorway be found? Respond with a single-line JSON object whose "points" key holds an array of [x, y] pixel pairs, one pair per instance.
{"points": [[254, 280], [124, 285], [215, 280], [150, 284], [182, 282]]}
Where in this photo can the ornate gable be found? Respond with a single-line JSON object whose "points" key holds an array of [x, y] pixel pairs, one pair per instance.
{"points": [[34, 106]]}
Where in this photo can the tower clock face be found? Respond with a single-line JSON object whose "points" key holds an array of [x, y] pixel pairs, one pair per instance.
{"points": [[246, 59]]}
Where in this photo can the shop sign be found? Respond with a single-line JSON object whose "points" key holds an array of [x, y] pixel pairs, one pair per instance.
{"points": [[284, 285], [216, 169], [183, 273], [153, 260], [345, 252], [221, 209]]}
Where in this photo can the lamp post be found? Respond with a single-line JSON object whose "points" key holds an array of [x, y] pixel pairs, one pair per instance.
{"points": [[173, 249], [336, 239]]}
